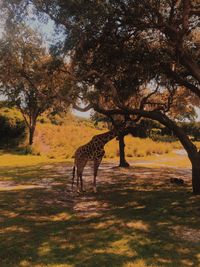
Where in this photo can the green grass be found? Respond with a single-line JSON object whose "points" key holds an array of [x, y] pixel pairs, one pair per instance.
{"points": [[136, 219], [12, 159], [17, 159]]}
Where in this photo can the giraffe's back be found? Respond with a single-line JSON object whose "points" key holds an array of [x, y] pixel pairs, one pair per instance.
{"points": [[90, 151]]}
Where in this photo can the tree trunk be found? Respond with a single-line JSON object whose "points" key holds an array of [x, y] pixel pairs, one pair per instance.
{"points": [[196, 173], [31, 134], [123, 162]]}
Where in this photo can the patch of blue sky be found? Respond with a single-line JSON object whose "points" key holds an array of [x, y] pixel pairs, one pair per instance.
{"points": [[82, 114], [198, 113], [50, 32]]}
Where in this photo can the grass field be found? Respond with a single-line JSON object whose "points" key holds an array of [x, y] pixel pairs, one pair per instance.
{"points": [[15, 159], [60, 141], [137, 218]]}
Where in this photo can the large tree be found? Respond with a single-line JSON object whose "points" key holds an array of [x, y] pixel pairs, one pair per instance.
{"points": [[30, 78]]}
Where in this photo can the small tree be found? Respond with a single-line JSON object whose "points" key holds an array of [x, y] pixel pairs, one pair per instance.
{"points": [[30, 79]]}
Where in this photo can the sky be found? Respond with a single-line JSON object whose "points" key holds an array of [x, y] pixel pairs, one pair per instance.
{"points": [[47, 28], [81, 114], [198, 113]]}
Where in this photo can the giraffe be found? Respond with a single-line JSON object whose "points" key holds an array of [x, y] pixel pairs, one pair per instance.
{"points": [[92, 151]]}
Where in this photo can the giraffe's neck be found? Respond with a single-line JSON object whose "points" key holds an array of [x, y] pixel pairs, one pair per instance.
{"points": [[106, 137]]}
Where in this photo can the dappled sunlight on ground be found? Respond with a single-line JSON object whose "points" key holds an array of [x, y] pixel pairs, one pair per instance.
{"points": [[137, 217]]}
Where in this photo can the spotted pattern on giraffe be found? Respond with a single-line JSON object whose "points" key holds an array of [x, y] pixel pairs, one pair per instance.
{"points": [[92, 151]]}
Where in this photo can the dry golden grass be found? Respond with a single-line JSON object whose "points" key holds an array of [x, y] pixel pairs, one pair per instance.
{"points": [[10, 159], [57, 143], [61, 141], [138, 263]]}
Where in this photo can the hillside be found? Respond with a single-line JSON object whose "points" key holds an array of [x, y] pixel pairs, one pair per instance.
{"points": [[62, 140], [58, 136]]}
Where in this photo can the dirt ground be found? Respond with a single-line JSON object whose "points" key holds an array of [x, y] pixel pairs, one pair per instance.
{"points": [[137, 213], [86, 203]]}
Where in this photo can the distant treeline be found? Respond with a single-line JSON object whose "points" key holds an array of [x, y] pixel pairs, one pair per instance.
{"points": [[148, 128]]}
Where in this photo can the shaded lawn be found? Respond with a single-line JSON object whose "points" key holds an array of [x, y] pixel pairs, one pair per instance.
{"points": [[137, 218]]}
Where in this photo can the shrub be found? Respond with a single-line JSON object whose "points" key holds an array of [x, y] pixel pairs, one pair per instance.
{"points": [[148, 152], [163, 138], [12, 127]]}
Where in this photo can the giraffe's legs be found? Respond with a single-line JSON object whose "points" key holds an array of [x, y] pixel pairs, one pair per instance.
{"points": [[73, 175], [80, 168], [96, 166], [77, 181], [81, 182]]}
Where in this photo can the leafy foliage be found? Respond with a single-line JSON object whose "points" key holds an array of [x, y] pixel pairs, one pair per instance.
{"points": [[30, 78], [12, 127]]}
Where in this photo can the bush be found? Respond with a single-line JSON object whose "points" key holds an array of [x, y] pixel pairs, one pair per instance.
{"points": [[164, 138], [12, 127], [191, 129]]}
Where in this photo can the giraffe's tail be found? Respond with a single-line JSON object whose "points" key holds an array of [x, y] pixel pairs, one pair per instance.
{"points": [[73, 175]]}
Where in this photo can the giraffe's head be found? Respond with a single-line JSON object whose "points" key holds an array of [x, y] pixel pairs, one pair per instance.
{"points": [[115, 131], [122, 127]]}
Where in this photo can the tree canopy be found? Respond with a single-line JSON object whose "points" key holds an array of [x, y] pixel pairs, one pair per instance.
{"points": [[29, 77], [163, 36]]}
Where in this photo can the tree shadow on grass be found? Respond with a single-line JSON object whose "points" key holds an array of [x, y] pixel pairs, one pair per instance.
{"points": [[137, 214]]}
